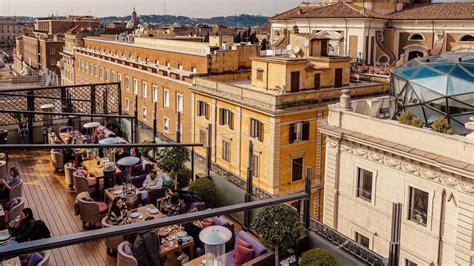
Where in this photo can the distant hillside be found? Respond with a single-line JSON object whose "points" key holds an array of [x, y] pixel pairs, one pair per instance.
{"points": [[240, 20]]}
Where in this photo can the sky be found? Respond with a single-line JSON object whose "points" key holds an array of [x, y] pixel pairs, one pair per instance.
{"points": [[101, 8]]}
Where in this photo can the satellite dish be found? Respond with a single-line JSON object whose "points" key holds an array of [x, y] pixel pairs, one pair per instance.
{"points": [[289, 47], [297, 50], [306, 43]]}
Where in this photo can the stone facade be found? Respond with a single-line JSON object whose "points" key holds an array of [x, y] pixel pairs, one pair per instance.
{"points": [[399, 164], [381, 32], [9, 30]]}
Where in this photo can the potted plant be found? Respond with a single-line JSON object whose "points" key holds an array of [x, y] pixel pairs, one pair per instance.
{"points": [[172, 160], [441, 125], [318, 257], [279, 227], [205, 189]]}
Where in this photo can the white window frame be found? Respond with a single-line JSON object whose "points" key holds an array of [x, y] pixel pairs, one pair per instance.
{"points": [[112, 76], [166, 97], [179, 103], [362, 165], [226, 156], [154, 93], [144, 89], [166, 124], [135, 86], [101, 73], [429, 215], [360, 184], [144, 113], [410, 37], [127, 104], [106, 74], [194, 70], [127, 83]]}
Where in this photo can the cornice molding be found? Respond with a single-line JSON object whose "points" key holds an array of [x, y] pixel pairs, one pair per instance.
{"points": [[416, 168]]}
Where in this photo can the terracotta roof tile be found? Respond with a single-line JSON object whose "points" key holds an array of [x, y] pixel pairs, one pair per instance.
{"points": [[339, 10], [437, 11]]}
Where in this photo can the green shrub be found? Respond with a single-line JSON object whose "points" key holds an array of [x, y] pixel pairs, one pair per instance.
{"points": [[441, 125], [184, 175], [318, 257], [205, 189], [405, 118], [416, 122]]}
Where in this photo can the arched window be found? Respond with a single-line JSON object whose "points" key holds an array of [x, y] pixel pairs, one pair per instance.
{"points": [[416, 37], [383, 60], [467, 38]]}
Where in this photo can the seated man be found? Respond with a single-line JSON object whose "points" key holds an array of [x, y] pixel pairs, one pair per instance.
{"points": [[153, 181], [146, 248], [172, 205]]}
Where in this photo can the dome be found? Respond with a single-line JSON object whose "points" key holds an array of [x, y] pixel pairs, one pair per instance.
{"points": [[134, 22], [436, 86]]}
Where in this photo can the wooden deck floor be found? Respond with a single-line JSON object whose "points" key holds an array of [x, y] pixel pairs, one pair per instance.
{"points": [[46, 194]]}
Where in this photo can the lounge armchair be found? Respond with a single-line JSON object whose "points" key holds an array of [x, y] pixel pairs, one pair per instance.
{"points": [[125, 256], [57, 158], [69, 170], [156, 195], [39, 258], [82, 183], [262, 256], [14, 210], [16, 191], [111, 242], [92, 212], [3, 170]]}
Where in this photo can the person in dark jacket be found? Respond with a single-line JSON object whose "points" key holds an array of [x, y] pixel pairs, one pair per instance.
{"points": [[21, 230], [146, 248]]}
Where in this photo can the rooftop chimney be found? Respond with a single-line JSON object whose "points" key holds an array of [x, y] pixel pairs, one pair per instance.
{"points": [[345, 102]]}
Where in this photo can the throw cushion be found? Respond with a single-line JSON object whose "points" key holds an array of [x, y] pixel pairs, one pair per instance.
{"points": [[13, 203], [221, 221], [91, 181], [206, 224], [102, 207], [34, 259], [242, 243], [243, 255], [127, 249]]}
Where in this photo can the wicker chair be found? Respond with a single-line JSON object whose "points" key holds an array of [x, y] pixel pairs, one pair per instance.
{"points": [[69, 170], [156, 195], [112, 242], [83, 184], [3, 170], [123, 259], [57, 158], [16, 191], [15, 211], [91, 212]]}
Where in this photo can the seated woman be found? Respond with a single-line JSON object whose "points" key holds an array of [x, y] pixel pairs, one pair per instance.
{"points": [[6, 186], [21, 230], [118, 212], [172, 205]]}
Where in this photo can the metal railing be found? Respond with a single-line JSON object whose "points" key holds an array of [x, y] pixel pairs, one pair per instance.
{"points": [[362, 253], [100, 99], [78, 238]]}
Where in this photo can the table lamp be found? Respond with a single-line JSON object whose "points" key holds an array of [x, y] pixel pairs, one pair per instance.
{"points": [[214, 238]]}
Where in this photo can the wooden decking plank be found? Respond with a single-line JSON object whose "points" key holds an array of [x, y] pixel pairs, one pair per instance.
{"points": [[42, 211]]}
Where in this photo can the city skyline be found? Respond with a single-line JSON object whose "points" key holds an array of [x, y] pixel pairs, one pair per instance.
{"points": [[191, 8]]}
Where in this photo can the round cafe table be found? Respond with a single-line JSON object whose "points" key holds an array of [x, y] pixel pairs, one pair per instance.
{"points": [[89, 127]]}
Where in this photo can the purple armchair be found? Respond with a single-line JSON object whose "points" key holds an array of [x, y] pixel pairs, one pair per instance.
{"points": [[262, 256]]}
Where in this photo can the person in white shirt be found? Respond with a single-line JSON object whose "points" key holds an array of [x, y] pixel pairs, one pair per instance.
{"points": [[153, 181]]}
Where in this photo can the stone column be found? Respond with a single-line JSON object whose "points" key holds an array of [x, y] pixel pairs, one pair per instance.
{"points": [[331, 182]]}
